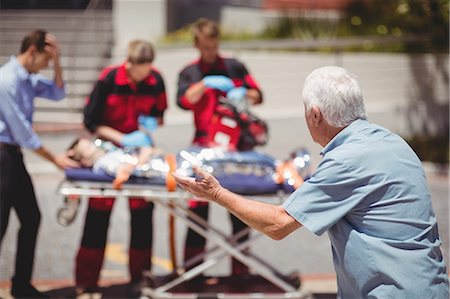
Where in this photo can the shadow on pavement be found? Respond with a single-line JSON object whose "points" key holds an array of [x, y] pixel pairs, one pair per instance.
{"points": [[112, 291], [201, 287]]}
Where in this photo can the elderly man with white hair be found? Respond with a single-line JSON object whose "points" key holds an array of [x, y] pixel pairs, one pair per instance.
{"points": [[369, 193]]}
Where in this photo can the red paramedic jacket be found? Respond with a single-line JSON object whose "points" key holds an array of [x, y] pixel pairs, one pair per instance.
{"points": [[206, 106], [116, 102]]}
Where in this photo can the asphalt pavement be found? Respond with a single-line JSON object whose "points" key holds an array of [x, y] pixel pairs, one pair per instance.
{"points": [[301, 252], [385, 80]]}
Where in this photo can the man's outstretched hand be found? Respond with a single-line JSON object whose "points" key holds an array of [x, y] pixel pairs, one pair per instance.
{"points": [[204, 185]]}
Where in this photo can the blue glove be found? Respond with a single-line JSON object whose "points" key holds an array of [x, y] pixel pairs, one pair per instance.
{"points": [[219, 82], [237, 94], [149, 123], [136, 139]]}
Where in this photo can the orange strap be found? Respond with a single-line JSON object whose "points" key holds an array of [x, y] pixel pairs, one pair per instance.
{"points": [[287, 170], [171, 185]]}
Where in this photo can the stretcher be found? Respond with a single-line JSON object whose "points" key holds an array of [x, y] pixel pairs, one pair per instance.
{"points": [[253, 174]]}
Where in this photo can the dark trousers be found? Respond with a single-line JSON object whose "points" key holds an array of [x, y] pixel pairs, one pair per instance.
{"points": [[195, 244], [16, 192], [90, 256]]}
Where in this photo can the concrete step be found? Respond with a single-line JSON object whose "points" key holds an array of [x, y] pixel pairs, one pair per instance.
{"points": [[81, 36]]}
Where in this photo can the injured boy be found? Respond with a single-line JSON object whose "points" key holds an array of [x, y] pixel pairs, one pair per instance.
{"points": [[104, 156]]}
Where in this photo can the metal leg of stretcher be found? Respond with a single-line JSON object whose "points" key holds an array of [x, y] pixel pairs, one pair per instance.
{"points": [[199, 257], [213, 258], [225, 246], [231, 240]]}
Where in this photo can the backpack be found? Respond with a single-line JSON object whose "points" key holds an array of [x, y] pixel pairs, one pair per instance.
{"points": [[241, 131]]}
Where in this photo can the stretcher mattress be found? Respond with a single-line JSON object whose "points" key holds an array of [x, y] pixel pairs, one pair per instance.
{"points": [[245, 184]]}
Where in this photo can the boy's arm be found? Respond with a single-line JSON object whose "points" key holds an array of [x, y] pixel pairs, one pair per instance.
{"points": [[144, 154], [124, 172]]}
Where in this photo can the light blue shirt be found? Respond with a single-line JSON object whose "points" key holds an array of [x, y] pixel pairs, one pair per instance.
{"points": [[18, 90], [369, 192]]}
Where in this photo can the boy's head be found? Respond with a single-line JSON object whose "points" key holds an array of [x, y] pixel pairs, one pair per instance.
{"points": [[84, 151]]}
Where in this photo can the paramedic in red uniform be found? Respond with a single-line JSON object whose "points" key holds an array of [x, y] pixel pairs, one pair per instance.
{"points": [[200, 85], [123, 97]]}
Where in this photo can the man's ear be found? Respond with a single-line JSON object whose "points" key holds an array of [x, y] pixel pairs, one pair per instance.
{"points": [[32, 49], [316, 115]]}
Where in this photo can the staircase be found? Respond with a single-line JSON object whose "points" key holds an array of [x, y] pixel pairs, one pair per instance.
{"points": [[86, 39]]}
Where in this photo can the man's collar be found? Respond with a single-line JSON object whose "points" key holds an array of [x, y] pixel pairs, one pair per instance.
{"points": [[22, 73], [122, 77], [343, 135]]}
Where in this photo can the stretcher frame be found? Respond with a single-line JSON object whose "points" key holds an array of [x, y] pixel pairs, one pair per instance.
{"points": [[223, 246]]}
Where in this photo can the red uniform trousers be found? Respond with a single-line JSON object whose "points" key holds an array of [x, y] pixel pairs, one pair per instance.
{"points": [[90, 256]]}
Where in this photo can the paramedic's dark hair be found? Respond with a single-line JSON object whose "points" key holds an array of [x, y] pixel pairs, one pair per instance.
{"points": [[36, 38], [206, 28]]}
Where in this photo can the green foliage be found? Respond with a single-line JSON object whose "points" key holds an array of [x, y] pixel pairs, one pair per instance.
{"points": [[425, 18], [301, 28], [431, 148]]}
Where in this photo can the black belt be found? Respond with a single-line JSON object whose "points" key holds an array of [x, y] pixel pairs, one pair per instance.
{"points": [[9, 146]]}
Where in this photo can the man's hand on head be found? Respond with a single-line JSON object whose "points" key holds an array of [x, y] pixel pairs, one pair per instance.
{"points": [[52, 47]]}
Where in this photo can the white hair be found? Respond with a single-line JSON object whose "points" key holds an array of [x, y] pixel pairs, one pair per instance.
{"points": [[336, 93]]}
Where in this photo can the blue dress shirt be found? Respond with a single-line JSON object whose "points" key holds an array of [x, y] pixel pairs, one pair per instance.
{"points": [[370, 193], [18, 89]]}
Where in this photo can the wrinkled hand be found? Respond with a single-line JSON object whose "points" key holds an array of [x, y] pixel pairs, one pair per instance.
{"points": [[136, 139], [149, 123], [237, 94], [63, 161], [203, 186], [219, 82]]}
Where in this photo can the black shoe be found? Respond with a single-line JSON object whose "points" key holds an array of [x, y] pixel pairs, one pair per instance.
{"points": [[134, 289], [81, 291], [26, 291]]}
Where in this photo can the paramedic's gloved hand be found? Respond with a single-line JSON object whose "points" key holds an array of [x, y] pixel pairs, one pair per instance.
{"points": [[220, 82], [237, 94], [136, 139], [149, 123], [237, 98]]}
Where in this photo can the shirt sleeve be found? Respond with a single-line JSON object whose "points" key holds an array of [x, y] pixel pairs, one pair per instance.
{"points": [[161, 100], [326, 197], [47, 88], [20, 129], [95, 107], [249, 81], [183, 84]]}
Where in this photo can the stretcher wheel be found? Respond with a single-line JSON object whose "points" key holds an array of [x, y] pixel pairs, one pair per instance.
{"points": [[67, 214]]}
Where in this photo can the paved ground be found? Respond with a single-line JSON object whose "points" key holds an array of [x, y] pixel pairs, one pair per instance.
{"points": [[302, 251], [384, 78]]}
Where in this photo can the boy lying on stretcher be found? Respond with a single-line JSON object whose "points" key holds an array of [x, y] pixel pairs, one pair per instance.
{"points": [[105, 157]]}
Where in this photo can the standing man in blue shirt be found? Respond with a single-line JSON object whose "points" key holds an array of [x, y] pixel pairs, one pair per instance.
{"points": [[19, 85], [369, 193]]}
